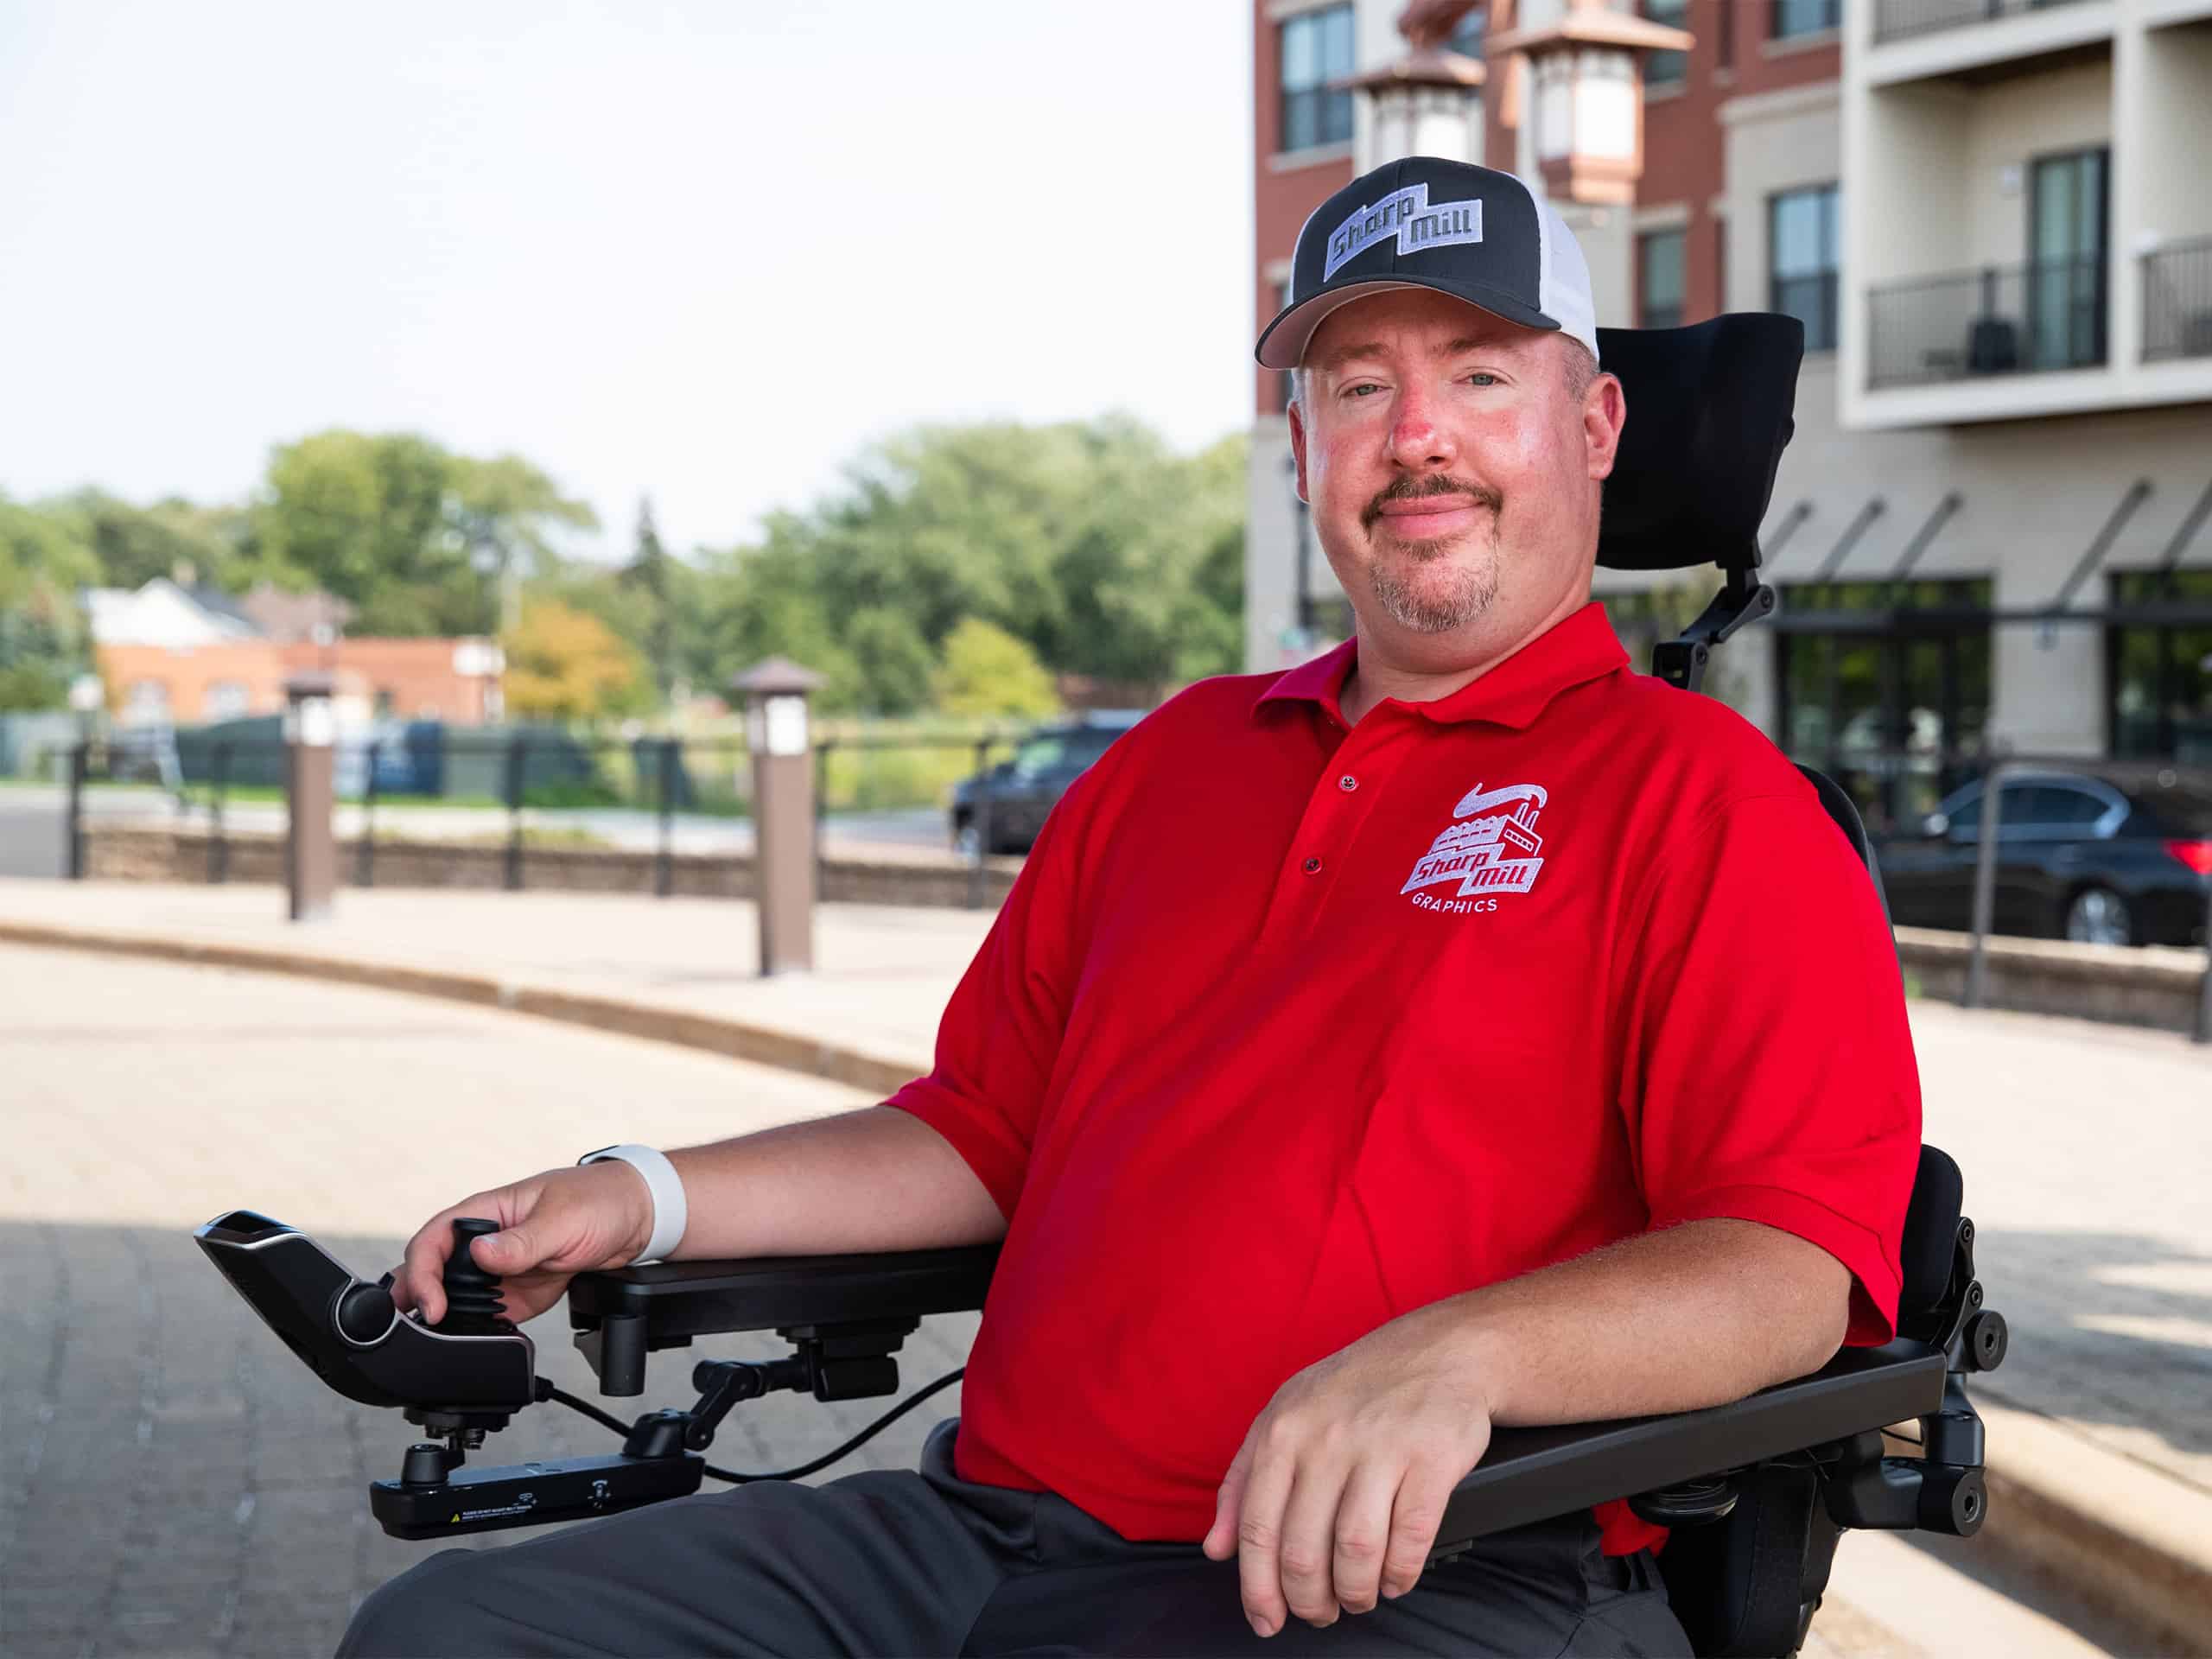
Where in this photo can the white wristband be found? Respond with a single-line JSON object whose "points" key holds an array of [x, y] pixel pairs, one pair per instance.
{"points": [[666, 1188]]}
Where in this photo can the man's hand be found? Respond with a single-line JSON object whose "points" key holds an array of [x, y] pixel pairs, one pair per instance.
{"points": [[1339, 1487]]}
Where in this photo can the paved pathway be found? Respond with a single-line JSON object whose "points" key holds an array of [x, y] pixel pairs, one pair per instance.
{"points": [[177, 1483]]}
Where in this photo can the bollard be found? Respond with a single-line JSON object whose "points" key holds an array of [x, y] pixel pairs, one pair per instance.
{"points": [[310, 850], [775, 693]]}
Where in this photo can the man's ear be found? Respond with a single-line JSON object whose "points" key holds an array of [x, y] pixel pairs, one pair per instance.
{"points": [[1604, 412], [1298, 450]]}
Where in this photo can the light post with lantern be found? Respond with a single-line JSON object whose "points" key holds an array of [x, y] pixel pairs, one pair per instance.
{"points": [[310, 848], [776, 693]]}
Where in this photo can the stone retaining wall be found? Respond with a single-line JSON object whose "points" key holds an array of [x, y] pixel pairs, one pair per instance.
{"points": [[133, 855]]}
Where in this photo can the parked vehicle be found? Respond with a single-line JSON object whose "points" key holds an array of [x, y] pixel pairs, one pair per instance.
{"points": [[1022, 790], [2110, 854]]}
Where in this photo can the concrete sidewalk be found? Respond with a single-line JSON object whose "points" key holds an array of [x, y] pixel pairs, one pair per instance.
{"points": [[2085, 1148]]}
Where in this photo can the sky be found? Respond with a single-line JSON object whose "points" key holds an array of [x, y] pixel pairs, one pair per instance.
{"points": [[702, 249]]}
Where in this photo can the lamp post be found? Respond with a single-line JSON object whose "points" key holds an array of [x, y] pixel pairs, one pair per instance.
{"points": [[1585, 71], [310, 850], [776, 693]]}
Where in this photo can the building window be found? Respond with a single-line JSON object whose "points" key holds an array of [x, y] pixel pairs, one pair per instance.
{"points": [[2158, 677], [1885, 686], [226, 700], [1802, 243], [1724, 43], [1793, 17], [1667, 68], [146, 703], [1659, 279], [1316, 50], [1467, 33]]}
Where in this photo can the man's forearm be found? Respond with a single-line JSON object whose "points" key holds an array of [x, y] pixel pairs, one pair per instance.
{"points": [[1694, 1315], [874, 1179]]}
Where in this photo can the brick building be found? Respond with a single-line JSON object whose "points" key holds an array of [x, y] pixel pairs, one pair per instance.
{"points": [[176, 654], [1988, 528]]}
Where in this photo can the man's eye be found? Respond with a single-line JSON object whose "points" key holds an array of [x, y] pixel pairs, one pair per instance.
{"points": [[1482, 378], [1361, 389]]}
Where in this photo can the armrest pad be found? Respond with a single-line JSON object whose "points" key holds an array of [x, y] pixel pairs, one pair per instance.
{"points": [[1531, 1474], [680, 1299]]}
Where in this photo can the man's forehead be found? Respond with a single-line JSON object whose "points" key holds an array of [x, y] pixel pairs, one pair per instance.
{"points": [[1378, 322]]}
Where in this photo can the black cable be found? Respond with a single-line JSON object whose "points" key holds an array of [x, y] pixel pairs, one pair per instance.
{"points": [[547, 1392]]}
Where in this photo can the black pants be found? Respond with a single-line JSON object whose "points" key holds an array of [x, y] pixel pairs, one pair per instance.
{"points": [[924, 1562]]}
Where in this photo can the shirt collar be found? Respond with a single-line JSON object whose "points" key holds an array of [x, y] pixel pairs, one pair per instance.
{"points": [[1577, 649]]}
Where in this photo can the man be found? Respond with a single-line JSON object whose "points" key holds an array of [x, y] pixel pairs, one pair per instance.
{"points": [[1369, 1054]]}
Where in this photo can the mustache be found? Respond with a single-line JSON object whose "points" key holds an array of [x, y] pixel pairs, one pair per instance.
{"points": [[1417, 489]]}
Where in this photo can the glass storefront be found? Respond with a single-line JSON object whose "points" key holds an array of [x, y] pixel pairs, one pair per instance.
{"points": [[2159, 679], [1893, 710]]}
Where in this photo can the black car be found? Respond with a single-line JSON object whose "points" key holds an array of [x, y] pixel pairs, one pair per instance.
{"points": [[1023, 790], [2113, 856]]}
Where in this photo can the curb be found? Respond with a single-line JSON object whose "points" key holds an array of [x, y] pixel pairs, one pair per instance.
{"points": [[2132, 1542], [718, 1034], [2124, 1538]]}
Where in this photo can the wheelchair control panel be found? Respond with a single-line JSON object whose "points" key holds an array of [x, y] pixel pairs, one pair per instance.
{"points": [[466, 1377]]}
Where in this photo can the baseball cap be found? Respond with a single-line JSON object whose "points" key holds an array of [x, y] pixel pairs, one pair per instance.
{"points": [[1473, 232]]}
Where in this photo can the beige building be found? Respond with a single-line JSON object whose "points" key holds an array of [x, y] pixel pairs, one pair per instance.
{"points": [[1996, 218]]}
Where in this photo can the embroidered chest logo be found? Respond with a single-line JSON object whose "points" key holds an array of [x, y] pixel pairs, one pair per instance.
{"points": [[1493, 847]]}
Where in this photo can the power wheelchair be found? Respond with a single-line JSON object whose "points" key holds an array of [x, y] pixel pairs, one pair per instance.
{"points": [[1757, 1492]]}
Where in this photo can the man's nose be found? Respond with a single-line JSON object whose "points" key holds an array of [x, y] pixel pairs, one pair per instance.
{"points": [[1418, 443]]}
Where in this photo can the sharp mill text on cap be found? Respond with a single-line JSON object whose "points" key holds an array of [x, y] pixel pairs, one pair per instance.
{"points": [[1473, 232]]}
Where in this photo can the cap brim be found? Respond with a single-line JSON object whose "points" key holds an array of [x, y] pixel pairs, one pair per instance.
{"points": [[1283, 342]]}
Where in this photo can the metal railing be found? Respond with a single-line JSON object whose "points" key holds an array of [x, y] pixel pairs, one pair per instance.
{"points": [[2046, 314], [513, 797], [2177, 301], [1902, 19]]}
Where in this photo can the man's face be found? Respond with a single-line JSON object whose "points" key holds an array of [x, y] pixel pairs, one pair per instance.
{"points": [[1452, 470]]}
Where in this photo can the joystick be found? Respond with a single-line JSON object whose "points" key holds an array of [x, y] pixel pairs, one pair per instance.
{"points": [[473, 1305]]}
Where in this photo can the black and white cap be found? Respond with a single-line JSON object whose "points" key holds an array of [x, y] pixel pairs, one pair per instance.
{"points": [[1473, 232]]}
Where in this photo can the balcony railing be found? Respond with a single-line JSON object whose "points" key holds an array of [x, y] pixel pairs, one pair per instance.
{"points": [[1898, 19], [2000, 320], [2177, 301]]}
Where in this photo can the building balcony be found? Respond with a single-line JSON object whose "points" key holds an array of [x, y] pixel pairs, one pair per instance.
{"points": [[2049, 316], [2177, 302], [1977, 43], [1897, 19]]}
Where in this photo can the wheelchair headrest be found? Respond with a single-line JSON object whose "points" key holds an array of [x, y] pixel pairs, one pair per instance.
{"points": [[1931, 1227], [1709, 413]]}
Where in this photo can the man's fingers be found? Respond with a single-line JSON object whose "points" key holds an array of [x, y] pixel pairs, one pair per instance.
{"points": [[1363, 1534], [1415, 1516], [1309, 1542], [1259, 1542], [1220, 1543]]}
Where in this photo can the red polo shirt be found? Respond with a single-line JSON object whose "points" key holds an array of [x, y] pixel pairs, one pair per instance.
{"points": [[1288, 1029]]}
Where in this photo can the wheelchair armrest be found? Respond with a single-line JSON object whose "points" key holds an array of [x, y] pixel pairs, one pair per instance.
{"points": [[619, 1317], [1531, 1474]]}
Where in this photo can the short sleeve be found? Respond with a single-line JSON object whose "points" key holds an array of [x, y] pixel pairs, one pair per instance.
{"points": [[1000, 1036], [1768, 1071]]}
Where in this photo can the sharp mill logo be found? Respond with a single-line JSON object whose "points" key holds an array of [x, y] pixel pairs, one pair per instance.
{"points": [[1406, 215], [1491, 847]]}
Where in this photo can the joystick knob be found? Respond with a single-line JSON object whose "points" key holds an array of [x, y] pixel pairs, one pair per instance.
{"points": [[473, 1304]]}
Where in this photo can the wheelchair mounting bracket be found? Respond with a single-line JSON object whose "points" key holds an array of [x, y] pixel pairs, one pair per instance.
{"points": [[1681, 661]]}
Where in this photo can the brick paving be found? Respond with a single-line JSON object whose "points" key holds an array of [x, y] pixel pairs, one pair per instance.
{"points": [[172, 1481], [201, 1492]]}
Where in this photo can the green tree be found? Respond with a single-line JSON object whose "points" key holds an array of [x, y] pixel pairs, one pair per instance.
{"points": [[44, 563], [134, 544], [989, 671], [419, 540], [648, 573]]}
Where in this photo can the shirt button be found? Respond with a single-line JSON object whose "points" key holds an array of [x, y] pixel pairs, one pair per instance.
{"points": [[1313, 865], [1347, 783]]}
